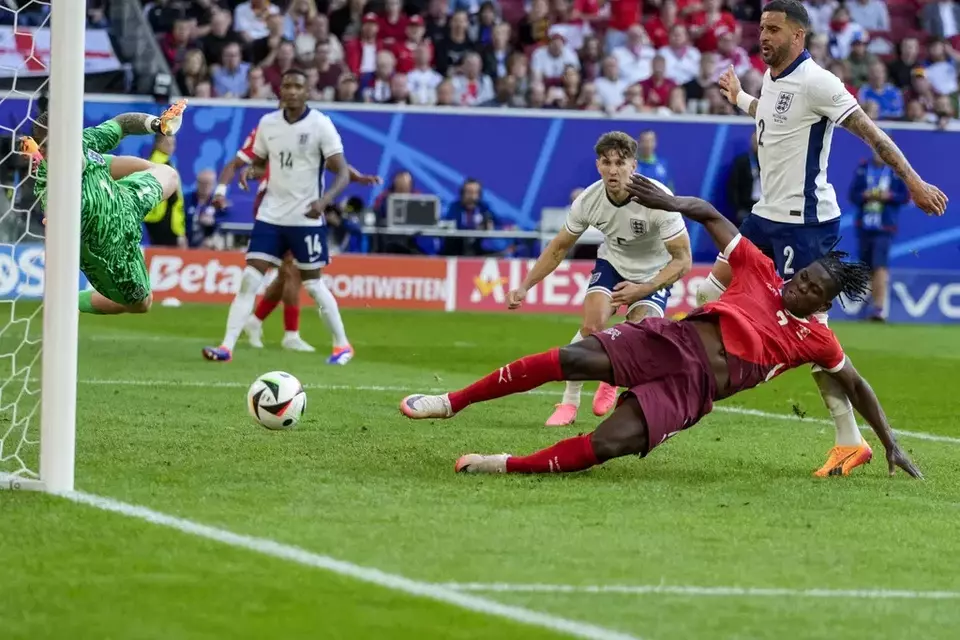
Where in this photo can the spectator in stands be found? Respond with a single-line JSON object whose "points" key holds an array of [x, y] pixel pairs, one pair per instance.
{"points": [[405, 51], [676, 103], [320, 28], [375, 87], [201, 218], [165, 224], [941, 19], [589, 12], [424, 79], [743, 186], [283, 61], [818, 45], [707, 26], [820, 13], [731, 55], [96, 16], [176, 43], [635, 56], [230, 76], [656, 89], [482, 32], [263, 51], [945, 112], [871, 108], [250, 19], [658, 27], [623, 14], [506, 91], [562, 23], [843, 32], [695, 90], [873, 16], [878, 194], [201, 13], [161, 14], [908, 58], [392, 24], [346, 22], [590, 56], [312, 77], [752, 81], [717, 105], [841, 69], [401, 183], [470, 213], [300, 15], [533, 29], [536, 96], [455, 45], [916, 112], [348, 89], [682, 59], [257, 86], [399, 89], [328, 72], [649, 164], [361, 53], [203, 89], [889, 99], [548, 63], [437, 20], [192, 71], [921, 90], [345, 233], [219, 37], [496, 55], [941, 67], [610, 85], [519, 68], [472, 86], [859, 60], [571, 83]]}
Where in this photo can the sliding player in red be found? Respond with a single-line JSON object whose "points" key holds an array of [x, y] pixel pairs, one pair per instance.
{"points": [[286, 286], [674, 371]]}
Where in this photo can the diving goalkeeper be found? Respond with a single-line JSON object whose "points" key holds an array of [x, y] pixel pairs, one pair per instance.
{"points": [[116, 193]]}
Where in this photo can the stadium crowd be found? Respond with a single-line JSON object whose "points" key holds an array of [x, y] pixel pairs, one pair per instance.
{"points": [[619, 56]]}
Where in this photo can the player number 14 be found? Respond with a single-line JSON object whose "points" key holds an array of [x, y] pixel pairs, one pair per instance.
{"points": [[286, 160], [314, 244]]}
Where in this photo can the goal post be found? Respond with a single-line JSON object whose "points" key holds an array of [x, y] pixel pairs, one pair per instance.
{"points": [[54, 470]]}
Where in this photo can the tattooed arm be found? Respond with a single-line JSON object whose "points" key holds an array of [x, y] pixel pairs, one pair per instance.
{"points": [[137, 124], [926, 196]]}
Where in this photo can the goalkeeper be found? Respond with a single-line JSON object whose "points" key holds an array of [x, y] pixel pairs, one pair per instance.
{"points": [[115, 195]]}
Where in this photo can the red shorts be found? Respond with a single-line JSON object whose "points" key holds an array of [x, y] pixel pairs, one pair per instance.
{"points": [[664, 365]]}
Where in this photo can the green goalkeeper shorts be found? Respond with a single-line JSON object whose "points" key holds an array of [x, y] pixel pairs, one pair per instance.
{"points": [[110, 254]]}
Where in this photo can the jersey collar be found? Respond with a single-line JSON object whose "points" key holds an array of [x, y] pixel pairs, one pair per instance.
{"points": [[305, 113], [804, 55]]}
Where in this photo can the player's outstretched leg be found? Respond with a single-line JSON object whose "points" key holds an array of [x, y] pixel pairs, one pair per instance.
{"points": [[291, 312], [581, 361], [240, 310], [623, 433], [330, 313], [97, 304]]}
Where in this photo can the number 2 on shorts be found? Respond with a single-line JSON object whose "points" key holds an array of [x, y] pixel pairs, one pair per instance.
{"points": [[788, 260]]}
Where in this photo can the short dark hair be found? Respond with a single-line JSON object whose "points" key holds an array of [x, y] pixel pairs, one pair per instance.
{"points": [[294, 71], [618, 142], [852, 278], [794, 10]]}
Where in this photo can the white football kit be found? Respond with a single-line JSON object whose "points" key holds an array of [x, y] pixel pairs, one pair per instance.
{"points": [[633, 247]]}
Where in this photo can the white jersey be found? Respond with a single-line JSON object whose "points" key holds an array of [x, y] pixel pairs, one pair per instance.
{"points": [[796, 116], [296, 153], [634, 235]]}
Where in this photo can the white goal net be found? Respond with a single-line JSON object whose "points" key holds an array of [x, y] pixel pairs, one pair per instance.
{"points": [[26, 41]]}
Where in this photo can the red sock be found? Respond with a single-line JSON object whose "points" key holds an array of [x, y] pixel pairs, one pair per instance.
{"points": [[572, 454], [521, 375], [264, 308], [291, 317]]}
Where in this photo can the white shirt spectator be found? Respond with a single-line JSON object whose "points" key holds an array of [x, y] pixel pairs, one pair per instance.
{"points": [[841, 42], [682, 65], [738, 58], [872, 15], [423, 85], [635, 62], [950, 26], [548, 67], [472, 92], [820, 12], [245, 21], [943, 77], [610, 92]]}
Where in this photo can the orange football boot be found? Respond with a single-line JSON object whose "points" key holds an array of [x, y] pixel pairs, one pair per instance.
{"points": [[842, 460]]}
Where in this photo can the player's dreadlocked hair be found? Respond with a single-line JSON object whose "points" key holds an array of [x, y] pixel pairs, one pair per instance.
{"points": [[852, 278]]}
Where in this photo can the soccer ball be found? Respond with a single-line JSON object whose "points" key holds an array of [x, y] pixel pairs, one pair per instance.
{"points": [[277, 400]]}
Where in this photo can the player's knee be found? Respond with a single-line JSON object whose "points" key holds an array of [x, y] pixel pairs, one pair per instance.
{"points": [[141, 307], [169, 179], [585, 360], [628, 439], [590, 328]]}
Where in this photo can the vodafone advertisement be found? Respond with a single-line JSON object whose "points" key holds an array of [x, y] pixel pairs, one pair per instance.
{"points": [[482, 285], [392, 282]]}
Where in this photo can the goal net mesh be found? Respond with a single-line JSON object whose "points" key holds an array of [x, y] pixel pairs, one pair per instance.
{"points": [[24, 76]]}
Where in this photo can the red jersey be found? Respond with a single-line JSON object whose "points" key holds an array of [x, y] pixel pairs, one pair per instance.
{"points": [[763, 338], [247, 155], [707, 42]]}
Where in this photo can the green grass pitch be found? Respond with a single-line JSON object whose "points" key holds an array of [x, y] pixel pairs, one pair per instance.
{"points": [[729, 504]]}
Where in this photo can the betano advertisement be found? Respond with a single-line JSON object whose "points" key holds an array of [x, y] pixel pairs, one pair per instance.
{"points": [[450, 284]]}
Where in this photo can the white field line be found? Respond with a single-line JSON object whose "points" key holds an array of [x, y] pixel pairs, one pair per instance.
{"points": [[743, 411], [692, 591], [364, 574]]}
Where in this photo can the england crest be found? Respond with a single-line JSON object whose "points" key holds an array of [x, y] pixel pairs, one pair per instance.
{"points": [[639, 227], [784, 100], [304, 138]]}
